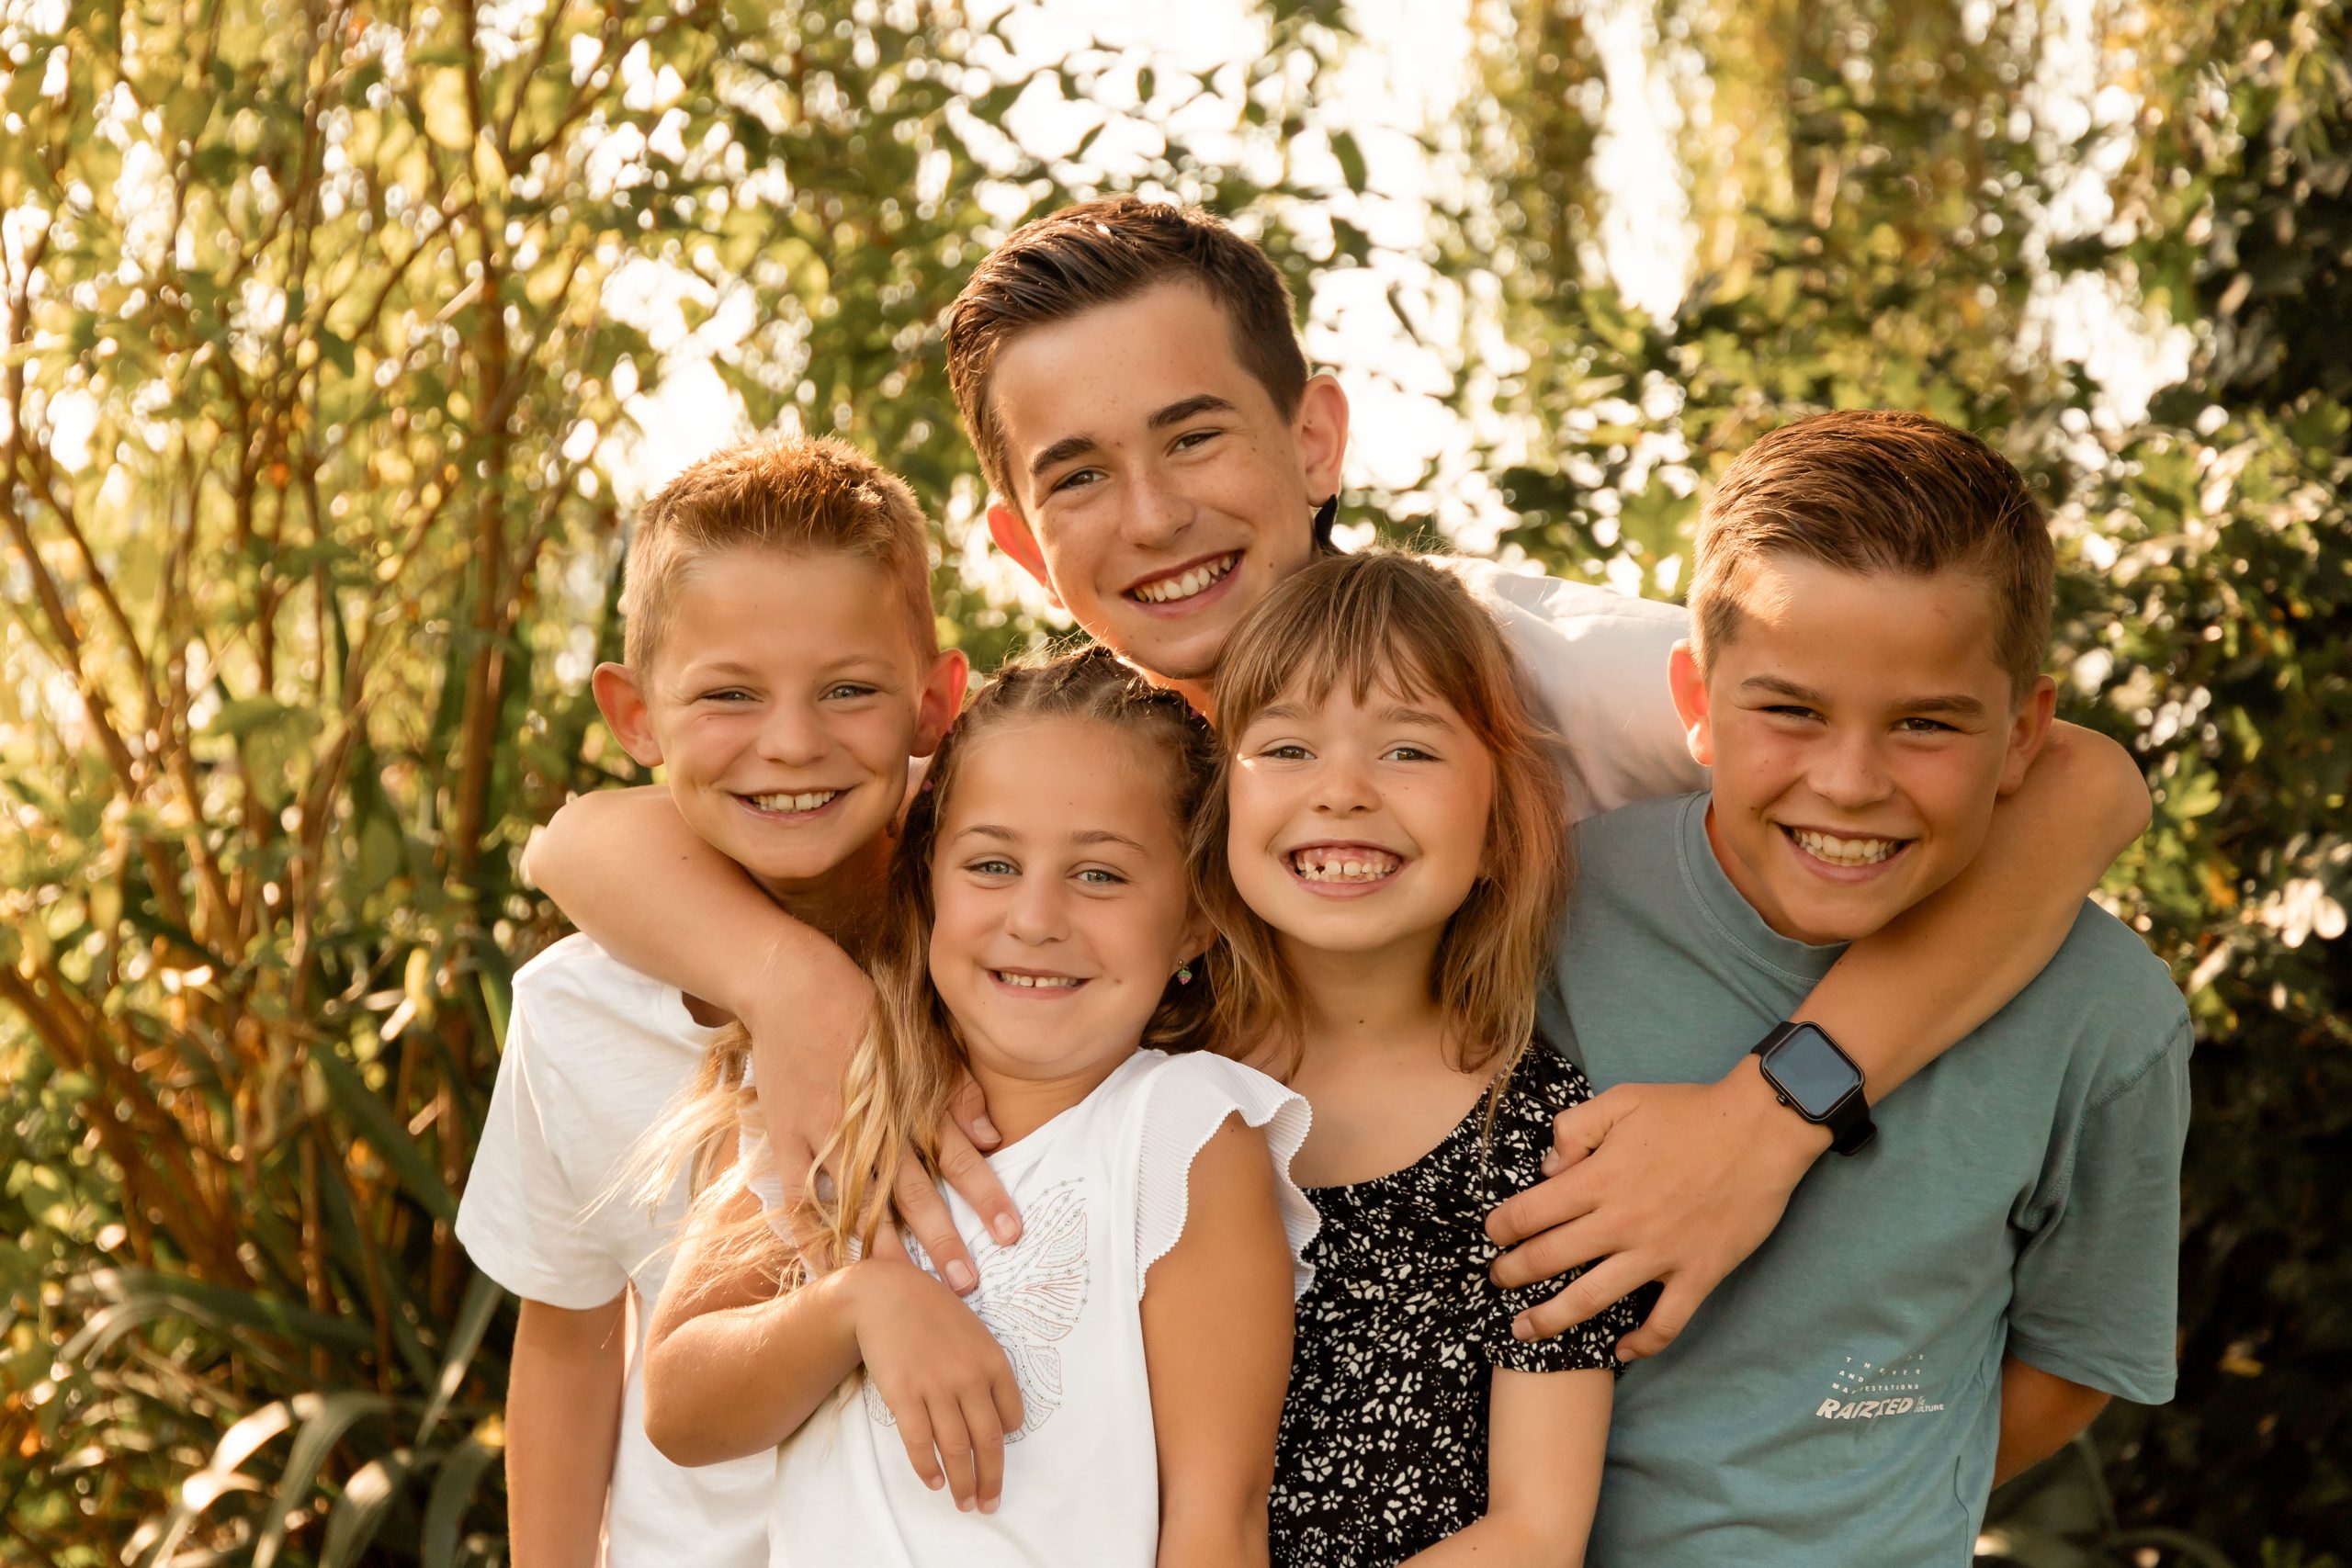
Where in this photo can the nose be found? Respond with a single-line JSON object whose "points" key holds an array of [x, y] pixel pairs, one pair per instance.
{"points": [[793, 735], [1343, 788], [1849, 772], [1157, 512], [1037, 913]]}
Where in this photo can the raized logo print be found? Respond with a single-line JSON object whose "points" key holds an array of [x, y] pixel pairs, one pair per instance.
{"points": [[1863, 1392]]}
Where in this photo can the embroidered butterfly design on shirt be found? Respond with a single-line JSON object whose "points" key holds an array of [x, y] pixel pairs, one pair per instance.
{"points": [[1030, 1296]]}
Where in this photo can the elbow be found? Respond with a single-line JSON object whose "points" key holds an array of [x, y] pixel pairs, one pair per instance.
{"points": [[2101, 772], [1201, 1537], [669, 1423]]}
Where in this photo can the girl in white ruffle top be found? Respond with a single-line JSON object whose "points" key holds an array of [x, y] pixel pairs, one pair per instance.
{"points": [[1109, 1393]]}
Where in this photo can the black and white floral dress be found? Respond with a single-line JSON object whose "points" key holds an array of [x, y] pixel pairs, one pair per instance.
{"points": [[1384, 1433]]}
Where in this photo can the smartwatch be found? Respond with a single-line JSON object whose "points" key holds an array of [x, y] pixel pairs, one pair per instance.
{"points": [[1813, 1077]]}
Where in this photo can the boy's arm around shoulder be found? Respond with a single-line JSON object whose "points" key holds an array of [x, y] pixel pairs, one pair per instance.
{"points": [[1217, 1329], [1681, 1182], [2040, 1415]]}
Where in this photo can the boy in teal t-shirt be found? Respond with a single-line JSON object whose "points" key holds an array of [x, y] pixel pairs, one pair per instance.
{"points": [[1871, 603]]}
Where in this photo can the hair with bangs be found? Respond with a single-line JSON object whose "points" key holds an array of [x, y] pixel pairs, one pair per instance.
{"points": [[1383, 619], [793, 494]]}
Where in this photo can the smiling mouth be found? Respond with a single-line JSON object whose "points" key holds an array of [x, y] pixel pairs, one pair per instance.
{"points": [[1178, 586], [792, 803], [1848, 853], [1342, 863], [1020, 981]]}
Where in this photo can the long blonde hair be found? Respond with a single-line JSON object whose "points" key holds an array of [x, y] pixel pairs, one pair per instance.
{"points": [[1382, 618], [904, 1073]]}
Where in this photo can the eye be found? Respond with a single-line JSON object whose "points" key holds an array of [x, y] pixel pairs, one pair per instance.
{"points": [[1916, 726], [850, 689], [1408, 755], [992, 865], [1791, 711], [1075, 479], [1285, 751], [1100, 876], [1192, 439], [727, 694]]}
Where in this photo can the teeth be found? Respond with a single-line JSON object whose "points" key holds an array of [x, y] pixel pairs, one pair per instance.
{"points": [[806, 802], [1168, 590], [1847, 851], [1036, 982], [1360, 865]]}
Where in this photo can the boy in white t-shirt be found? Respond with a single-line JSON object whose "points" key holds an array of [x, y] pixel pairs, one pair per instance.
{"points": [[782, 665]]}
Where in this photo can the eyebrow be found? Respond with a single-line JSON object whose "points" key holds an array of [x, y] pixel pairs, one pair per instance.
{"points": [[1085, 836], [1393, 714], [1177, 412], [1957, 704]]}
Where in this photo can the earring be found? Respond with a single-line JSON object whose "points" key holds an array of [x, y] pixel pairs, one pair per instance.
{"points": [[1184, 973]]}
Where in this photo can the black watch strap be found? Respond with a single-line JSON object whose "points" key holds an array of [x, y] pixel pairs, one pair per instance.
{"points": [[1848, 1117]]}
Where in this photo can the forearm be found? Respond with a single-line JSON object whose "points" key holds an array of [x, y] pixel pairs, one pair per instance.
{"points": [[564, 1422], [626, 868], [1497, 1542], [1901, 997], [1194, 1538], [734, 1382], [2040, 1415]]}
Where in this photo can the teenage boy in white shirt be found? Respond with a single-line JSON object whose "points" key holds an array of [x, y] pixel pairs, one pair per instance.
{"points": [[782, 664], [1133, 385]]}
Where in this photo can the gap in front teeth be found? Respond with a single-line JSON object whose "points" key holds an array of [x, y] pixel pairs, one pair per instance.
{"points": [[1847, 851], [1358, 870], [1170, 589], [807, 801], [1037, 982]]}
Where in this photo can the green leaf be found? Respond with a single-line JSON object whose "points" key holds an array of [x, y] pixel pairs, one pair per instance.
{"points": [[374, 1121], [453, 1495]]}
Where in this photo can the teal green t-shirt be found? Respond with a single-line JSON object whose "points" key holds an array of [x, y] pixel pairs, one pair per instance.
{"points": [[1835, 1400]]}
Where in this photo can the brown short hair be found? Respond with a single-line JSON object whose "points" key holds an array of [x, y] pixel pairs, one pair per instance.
{"points": [[1375, 618], [790, 493], [1872, 491], [1101, 252]]}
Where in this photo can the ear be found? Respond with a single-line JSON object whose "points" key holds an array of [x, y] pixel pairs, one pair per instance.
{"points": [[625, 710], [2028, 731], [943, 697], [1198, 936], [1320, 430], [1689, 689], [1011, 535]]}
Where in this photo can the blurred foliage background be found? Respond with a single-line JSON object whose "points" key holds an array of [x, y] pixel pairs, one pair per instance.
{"points": [[333, 339]]}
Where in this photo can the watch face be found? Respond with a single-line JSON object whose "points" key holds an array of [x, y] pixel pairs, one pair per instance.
{"points": [[1812, 1071]]}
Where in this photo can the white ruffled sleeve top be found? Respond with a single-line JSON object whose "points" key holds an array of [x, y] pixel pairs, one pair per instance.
{"points": [[1103, 1190]]}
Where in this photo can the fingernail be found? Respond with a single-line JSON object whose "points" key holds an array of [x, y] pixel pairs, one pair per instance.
{"points": [[988, 1505], [960, 1277], [1522, 1329], [962, 1505], [985, 1130], [1551, 1162], [1007, 1229]]}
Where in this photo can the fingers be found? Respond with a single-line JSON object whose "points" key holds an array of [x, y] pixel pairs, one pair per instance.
{"points": [[1666, 1319], [965, 1170], [796, 1172], [1579, 1130], [1005, 1391], [888, 1244], [1552, 1253], [954, 1443], [1583, 1297], [1554, 1201], [914, 1431], [969, 1112], [988, 1448], [923, 1212]]}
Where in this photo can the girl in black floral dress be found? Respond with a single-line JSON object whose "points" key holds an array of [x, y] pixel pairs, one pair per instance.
{"points": [[1388, 854]]}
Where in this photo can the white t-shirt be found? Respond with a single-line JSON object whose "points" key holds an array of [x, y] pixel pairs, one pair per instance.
{"points": [[1103, 1190], [595, 1053], [1599, 659]]}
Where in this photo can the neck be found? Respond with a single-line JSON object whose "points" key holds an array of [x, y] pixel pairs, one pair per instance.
{"points": [[845, 903], [1376, 1001], [1019, 1104]]}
